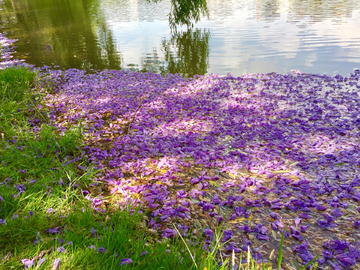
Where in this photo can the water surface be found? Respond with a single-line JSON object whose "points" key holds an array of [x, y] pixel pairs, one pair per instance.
{"points": [[238, 36]]}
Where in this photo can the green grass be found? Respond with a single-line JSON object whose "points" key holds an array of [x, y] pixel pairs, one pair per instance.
{"points": [[40, 187]]}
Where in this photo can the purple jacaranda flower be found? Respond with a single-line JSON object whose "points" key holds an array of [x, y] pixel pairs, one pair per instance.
{"points": [[209, 233], [305, 216], [126, 261], [1, 199], [295, 233], [328, 217], [262, 237], [142, 254], [194, 181], [93, 232], [61, 249], [54, 230], [240, 211], [279, 224], [327, 254], [231, 247], [181, 194], [15, 216], [91, 247], [102, 250], [346, 260], [336, 245], [227, 235], [321, 207], [297, 221], [303, 228], [355, 182], [31, 213], [335, 266], [336, 212], [245, 228], [28, 263], [356, 224], [169, 233], [354, 253], [56, 263], [195, 192], [41, 261], [215, 199], [273, 215]]}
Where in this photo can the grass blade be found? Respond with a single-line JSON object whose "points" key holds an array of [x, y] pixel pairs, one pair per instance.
{"points": [[280, 250]]}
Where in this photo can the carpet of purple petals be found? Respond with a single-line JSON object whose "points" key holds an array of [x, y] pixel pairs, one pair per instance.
{"points": [[257, 153]]}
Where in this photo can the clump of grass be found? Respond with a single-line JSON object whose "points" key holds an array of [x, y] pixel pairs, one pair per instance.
{"points": [[20, 102]]}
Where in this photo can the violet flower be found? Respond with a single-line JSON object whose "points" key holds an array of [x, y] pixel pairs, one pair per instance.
{"points": [[125, 261], [27, 263], [56, 264]]}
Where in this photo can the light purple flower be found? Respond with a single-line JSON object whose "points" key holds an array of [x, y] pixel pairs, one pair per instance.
{"points": [[61, 249], [56, 264], [41, 261], [126, 261], [28, 263], [142, 254], [102, 250]]}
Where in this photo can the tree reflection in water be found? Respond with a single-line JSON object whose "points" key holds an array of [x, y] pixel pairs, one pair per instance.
{"points": [[191, 47], [192, 56], [72, 34]]}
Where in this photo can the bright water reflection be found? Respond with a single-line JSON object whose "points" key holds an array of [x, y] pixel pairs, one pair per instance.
{"points": [[315, 36]]}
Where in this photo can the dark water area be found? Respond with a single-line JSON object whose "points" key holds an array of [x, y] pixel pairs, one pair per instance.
{"points": [[250, 36]]}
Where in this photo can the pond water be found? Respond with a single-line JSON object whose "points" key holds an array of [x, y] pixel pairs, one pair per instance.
{"points": [[236, 36]]}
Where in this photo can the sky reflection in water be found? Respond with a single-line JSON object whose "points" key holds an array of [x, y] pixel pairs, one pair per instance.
{"points": [[237, 37]]}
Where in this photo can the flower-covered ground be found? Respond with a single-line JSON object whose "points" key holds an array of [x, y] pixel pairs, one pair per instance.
{"points": [[256, 154]]}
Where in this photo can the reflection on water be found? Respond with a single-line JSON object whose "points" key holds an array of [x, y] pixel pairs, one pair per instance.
{"points": [[65, 33], [316, 36], [192, 52]]}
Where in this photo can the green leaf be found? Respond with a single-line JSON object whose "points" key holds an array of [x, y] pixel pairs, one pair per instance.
{"points": [[340, 164], [280, 250], [304, 267]]}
